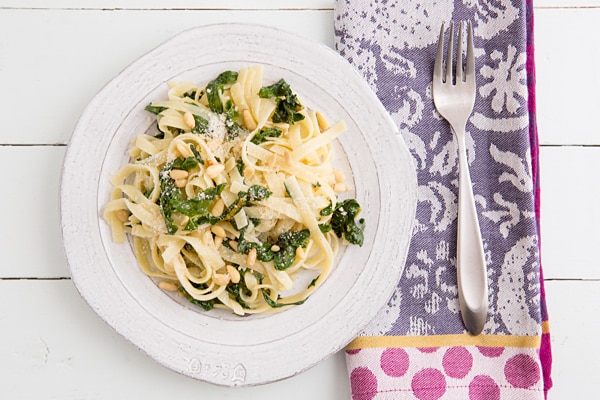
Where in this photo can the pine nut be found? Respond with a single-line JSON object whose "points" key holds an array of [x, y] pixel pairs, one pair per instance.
{"points": [[339, 187], [248, 120], [234, 274], [180, 183], [300, 253], [322, 121], [221, 279], [184, 149], [178, 174], [189, 120], [218, 208], [207, 238], [275, 248], [168, 286], [214, 170], [251, 258], [218, 231], [122, 215], [339, 175], [233, 244]]}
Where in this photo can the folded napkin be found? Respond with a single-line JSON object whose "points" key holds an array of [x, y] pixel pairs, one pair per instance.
{"points": [[417, 347]]}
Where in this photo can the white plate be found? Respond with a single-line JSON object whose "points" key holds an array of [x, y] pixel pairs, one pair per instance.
{"points": [[218, 347]]}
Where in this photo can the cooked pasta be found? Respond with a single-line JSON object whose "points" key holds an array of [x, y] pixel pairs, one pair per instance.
{"points": [[236, 196]]}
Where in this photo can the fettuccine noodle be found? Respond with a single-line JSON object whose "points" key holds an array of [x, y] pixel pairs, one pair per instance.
{"points": [[233, 199]]}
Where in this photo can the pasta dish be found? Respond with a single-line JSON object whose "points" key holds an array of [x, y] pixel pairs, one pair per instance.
{"points": [[234, 197]]}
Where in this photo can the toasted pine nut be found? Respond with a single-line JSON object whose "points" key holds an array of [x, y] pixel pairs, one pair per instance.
{"points": [[300, 253], [218, 231], [178, 174], [322, 121], [233, 244], [234, 274], [248, 120], [214, 170], [249, 172], [168, 286], [207, 238], [189, 120], [122, 215], [218, 208], [181, 183], [251, 258], [218, 242], [275, 248], [221, 279], [340, 187], [184, 149], [339, 175]]}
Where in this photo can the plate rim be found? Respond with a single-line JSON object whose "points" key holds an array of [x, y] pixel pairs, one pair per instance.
{"points": [[75, 257]]}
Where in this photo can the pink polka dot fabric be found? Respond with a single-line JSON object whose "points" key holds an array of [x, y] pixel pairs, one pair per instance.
{"points": [[455, 372]]}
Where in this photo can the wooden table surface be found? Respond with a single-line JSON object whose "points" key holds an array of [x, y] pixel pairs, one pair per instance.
{"points": [[54, 57]]}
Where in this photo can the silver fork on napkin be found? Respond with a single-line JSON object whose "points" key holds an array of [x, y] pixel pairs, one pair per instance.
{"points": [[454, 97]]}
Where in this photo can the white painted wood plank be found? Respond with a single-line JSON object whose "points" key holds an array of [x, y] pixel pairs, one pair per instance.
{"points": [[570, 215], [51, 338], [58, 49], [568, 75], [172, 4], [52, 62], [227, 4], [574, 326], [30, 228], [566, 3]]}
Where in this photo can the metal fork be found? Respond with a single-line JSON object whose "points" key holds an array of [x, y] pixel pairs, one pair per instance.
{"points": [[454, 97]]}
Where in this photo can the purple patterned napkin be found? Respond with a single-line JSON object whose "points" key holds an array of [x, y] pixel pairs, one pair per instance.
{"points": [[417, 347]]}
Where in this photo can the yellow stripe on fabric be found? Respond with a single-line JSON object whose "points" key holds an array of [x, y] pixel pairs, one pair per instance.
{"points": [[363, 342], [545, 327]]}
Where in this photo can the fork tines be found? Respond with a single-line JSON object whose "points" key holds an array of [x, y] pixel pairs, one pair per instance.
{"points": [[461, 71]]}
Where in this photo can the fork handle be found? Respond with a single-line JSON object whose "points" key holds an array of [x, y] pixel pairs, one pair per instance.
{"points": [[470, 259]]}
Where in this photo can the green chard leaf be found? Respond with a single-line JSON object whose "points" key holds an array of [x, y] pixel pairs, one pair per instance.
{"points": [[327, 210], [257, 192], [276, 304], [197, 154], [287, 104], [344, 224], [244, 199], [200, 124], [263, 134], [237, 289], [288, 243], [154, 109], [231, 121], [214, 90], [171, 198]]}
